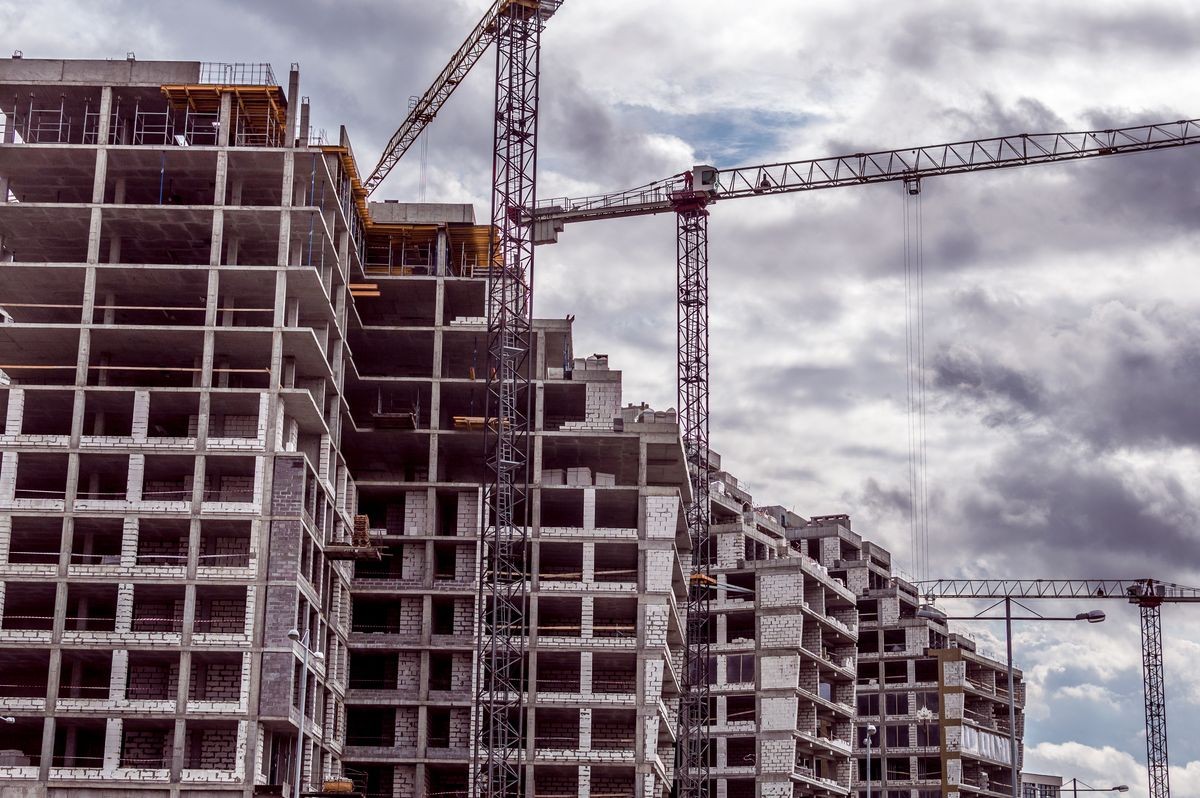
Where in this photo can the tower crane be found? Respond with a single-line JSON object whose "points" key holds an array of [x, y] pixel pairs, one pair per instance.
{"points": [[689, 196], [1148, 594]]}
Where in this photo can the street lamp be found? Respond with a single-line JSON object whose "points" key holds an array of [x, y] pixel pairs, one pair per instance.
{"points": [[294, 636], [867, 742], [932, 613], [1076, 789]]}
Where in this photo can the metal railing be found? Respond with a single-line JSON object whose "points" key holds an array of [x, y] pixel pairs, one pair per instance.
{"points": [[243, 74]]}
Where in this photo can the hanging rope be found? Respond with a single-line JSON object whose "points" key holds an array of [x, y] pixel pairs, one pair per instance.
{"points": [[914, 351]]}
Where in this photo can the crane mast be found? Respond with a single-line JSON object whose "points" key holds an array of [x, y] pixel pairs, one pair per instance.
{"points": [[503, 584], [1148, 594]]}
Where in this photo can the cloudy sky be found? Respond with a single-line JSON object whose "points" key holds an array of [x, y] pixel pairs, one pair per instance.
{"points": [[1062, 340]]}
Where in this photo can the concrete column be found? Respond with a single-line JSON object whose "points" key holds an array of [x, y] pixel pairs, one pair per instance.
{"points": [[16, 410], [141, 415], [293, 105], [119, 186], [442, 264], [225, 120]]}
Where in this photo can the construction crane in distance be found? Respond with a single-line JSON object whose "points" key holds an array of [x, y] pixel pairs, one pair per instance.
{"points": [[426, 107], [688, 195], [1148, 594]]}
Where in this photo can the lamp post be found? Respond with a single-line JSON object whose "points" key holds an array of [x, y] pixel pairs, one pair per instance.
{"points": [[930, 612], [1075, 788], [867, 743], [294, 636]]}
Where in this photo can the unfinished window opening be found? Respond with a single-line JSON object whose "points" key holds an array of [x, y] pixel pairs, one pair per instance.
{"points": [[370, 670], [868, 642], [739, 627], [894, 641], [463, 404], [562, 507], [614, 617], [451, 616], [255, 178], [898, 768], [561, 562], [897, 735], [740, 709], [242, 359], [173, 415], [25, 674], [445, 561], [233, 415], [741, 752], [557, 729], [378, 616], [220, 610], [896, 703], [97, 541], [739, 669], [929, 734], [464, 464], [169, 298], [224, 543], [91, 607], [162, 541], [35, 540], [78, 742], [441, 670], [215, 676], [373, 726], [895, 672], [559, 672], [447, 519], [395, 353], [565, 403], [147, 744], [157, 608], [41, 476], [390, 565], [173, 176], [558, 780], [250, 239], [438, 727], [926, 670], [103, 476], [743, 587], [108, 413], [868, 610], [85, 674], [210, 745], [229, 479], [868, 704], [451, 780], [738, 788], [168, 478], [614, 729], [29, 605], [868, 673], [405, 459], [616, 562], [46, 413], [559, 616], [614, 673]]}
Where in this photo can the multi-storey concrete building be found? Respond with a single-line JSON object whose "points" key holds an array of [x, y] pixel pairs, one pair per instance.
{"points": [[783, 641], [209, 339], [939, 707]]}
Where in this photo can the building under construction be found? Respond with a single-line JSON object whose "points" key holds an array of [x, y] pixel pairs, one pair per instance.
{"points": [[240, 496]]}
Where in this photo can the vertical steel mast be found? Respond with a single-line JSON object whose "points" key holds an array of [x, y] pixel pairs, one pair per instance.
{"points": [[503, 591], [1156, 699], [691, 215]]}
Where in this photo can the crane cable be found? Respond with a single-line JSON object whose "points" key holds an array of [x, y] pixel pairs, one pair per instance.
{"points": [[914, 318]]}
